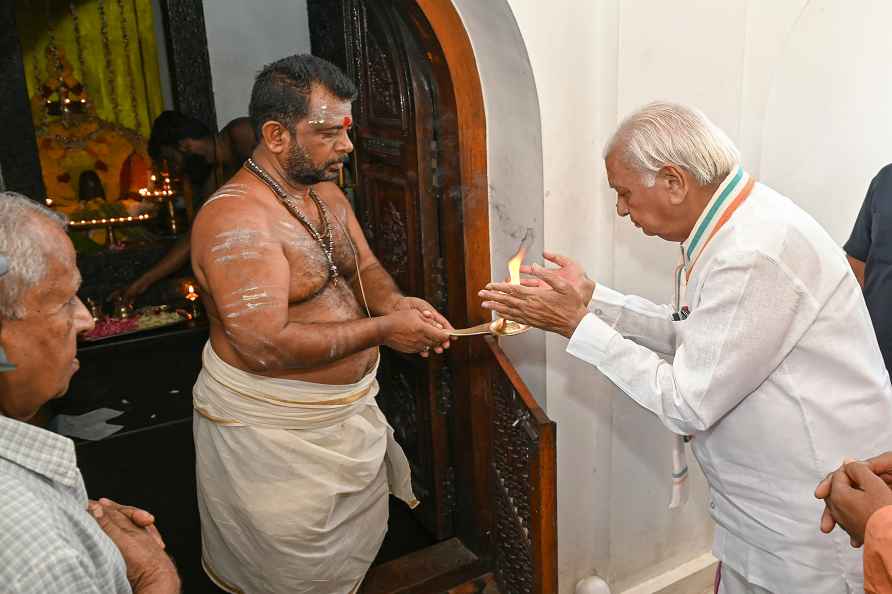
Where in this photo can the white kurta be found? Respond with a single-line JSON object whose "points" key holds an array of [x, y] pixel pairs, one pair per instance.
{"points": [[776, 374]]}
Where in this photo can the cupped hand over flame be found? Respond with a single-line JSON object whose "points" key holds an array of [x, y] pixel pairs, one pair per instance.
{"points": [[568, 270], [551, 301]]}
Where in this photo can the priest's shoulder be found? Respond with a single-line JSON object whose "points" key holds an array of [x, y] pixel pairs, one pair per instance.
{"points": [[332, 194], [235, 205]]}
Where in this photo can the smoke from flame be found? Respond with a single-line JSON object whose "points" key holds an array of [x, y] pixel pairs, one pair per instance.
{"points": [[515, 262]]}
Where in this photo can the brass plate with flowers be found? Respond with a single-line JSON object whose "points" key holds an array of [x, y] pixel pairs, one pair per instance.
{"points": [[142, 320]]}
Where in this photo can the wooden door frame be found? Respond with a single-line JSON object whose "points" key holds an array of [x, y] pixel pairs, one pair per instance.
{"points": [[456, 45], [19, 159], [475, 518], [188, 59]]}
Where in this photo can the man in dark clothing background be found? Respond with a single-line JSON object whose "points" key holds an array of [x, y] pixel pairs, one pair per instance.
{"points": [[869, 249]]}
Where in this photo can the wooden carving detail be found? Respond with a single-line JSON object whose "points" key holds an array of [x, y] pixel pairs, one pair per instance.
{"points": [[419, 485], [440, 297], [354, 27], [514, 444], [448, 507], [387, 151], [399, 405], [444, 389], [522, 487], [383, 87], [394, 243]]}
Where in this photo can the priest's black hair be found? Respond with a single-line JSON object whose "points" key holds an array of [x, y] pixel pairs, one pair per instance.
{"points": [[282, 89]]}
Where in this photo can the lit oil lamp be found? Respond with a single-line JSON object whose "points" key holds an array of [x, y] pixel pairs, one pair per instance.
{"points": [[192, 296], [502, 326], [159, 189]]}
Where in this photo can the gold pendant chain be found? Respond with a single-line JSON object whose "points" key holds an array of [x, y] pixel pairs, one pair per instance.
{"points": [[325, 239]]}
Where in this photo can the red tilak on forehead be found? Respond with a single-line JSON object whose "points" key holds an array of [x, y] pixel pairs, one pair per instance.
{"points": [[348, 121]]}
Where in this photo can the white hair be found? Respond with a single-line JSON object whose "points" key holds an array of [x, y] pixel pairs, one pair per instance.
{"points": [[24, 247], [661, 134]]}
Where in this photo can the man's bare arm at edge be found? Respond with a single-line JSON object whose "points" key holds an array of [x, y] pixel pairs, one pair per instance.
{"points": [[240, 261]]}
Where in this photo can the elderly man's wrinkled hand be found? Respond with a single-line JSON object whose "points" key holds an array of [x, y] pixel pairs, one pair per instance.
{"points": [[568, 270], [556, 307], [148, 566], [139, 517], [855, 492]]}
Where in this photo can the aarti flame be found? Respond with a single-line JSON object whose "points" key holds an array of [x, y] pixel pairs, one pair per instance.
{"points": [[517, 260], [503, 326]]}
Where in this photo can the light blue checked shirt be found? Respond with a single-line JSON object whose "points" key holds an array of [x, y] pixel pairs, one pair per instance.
{"points": [[49, 544]]}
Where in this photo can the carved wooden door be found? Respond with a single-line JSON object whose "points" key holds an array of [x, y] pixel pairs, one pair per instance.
{"points": [[396, 175], [522, 482]]}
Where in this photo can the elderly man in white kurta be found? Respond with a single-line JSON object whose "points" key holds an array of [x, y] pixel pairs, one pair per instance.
{"points": [[776, 373]]}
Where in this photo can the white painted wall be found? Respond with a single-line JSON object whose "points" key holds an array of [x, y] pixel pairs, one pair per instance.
{"points": [[242, 38], [830, 93], [801, 87]]}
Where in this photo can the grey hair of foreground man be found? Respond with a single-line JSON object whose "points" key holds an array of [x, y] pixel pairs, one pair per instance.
{"points": [[22, 243], [664, 133]]}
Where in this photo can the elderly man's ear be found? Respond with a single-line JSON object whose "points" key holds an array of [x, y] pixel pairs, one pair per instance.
{"points": [[5, 365], [674, 183]]}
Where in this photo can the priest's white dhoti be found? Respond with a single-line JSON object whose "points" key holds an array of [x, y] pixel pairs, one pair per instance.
{"points": [[293, 480]]}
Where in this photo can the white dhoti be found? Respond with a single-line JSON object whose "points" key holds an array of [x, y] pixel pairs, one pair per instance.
{"points": [[293, 480]]}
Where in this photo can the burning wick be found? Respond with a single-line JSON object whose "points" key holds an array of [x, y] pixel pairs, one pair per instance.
{"points": [[192, 296], [503, 326]]}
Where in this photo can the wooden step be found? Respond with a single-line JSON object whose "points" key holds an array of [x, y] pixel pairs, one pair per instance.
{"points": [[446, 567]]}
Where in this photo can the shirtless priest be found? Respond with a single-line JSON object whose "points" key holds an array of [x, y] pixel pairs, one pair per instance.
{"points": [[294, 458]]}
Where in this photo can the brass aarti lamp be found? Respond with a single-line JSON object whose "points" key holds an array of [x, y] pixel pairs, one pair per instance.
{"points": [[501, 326]]}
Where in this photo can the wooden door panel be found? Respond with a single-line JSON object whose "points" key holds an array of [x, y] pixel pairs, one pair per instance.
{"points": [[410, 203], [397, 206], [522, 483], [386, 100], [383, 151], [329, 22], [394, 224]]}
